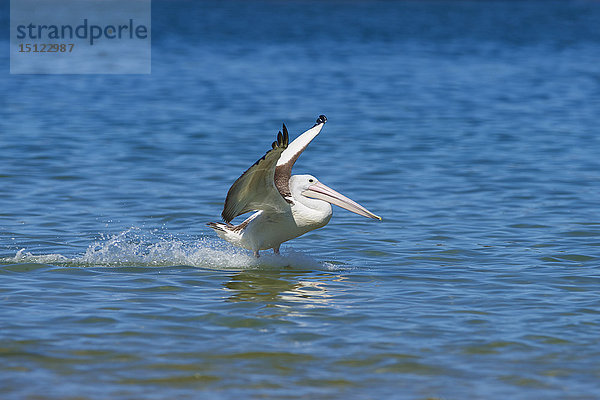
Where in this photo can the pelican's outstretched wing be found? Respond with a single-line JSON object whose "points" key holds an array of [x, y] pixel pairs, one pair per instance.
{"points": [[283, 171], [255, 189]]}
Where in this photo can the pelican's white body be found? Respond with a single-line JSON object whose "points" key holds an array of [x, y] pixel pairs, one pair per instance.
{"points": [[267, 230]]}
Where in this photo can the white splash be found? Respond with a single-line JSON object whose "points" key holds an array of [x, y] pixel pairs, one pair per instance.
{"points": [[135, 247], [25, 257]]}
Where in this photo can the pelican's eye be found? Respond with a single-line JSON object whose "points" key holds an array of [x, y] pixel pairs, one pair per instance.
{"points": [[311, 180]]}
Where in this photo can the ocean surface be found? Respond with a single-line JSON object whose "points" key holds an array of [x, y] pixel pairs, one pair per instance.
{"points": [[471, 127]]}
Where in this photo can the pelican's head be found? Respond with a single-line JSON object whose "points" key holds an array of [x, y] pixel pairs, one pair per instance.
{"points": [[310, 187]]}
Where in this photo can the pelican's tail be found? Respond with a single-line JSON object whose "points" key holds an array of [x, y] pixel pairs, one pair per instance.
{"points": [[219, 227], [229, 232], [234, 234]]}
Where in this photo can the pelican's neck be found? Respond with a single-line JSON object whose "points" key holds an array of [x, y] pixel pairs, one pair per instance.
{"points": [[309, 212]]}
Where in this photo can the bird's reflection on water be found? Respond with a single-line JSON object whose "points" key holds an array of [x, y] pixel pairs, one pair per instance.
{"points": [[281, 286]]}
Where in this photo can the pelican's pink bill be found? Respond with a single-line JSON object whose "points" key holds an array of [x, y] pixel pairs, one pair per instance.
{"points": [[323, 192]]}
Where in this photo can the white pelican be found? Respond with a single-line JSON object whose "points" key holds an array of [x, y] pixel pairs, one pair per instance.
{"points": [[285, 206]]}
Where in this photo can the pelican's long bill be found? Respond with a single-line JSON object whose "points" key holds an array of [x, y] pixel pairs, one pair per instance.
{"points": [[323, 192]]}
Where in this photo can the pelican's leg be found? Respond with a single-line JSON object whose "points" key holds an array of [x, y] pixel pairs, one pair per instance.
{"points": [[256, 254], [276, 250]]}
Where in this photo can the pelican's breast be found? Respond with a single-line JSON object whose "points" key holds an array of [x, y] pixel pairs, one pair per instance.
{"points": [[269, 230], [309, 218]]}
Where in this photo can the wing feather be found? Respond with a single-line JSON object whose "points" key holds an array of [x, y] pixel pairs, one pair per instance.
{"points": [[255, 189]]}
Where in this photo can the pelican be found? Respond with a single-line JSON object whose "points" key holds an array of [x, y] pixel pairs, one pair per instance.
{"points": [[285, 206]]}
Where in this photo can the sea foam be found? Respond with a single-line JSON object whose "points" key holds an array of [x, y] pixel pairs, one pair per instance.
{"points": [[139, 247]]}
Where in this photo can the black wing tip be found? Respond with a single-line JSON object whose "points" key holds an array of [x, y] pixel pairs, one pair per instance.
{"points": [[283, 139], [224, 217], [286, 136], [322, 119]]}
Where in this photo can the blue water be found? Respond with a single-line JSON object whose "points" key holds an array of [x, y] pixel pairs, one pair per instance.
{"points": [[471, 127]]}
